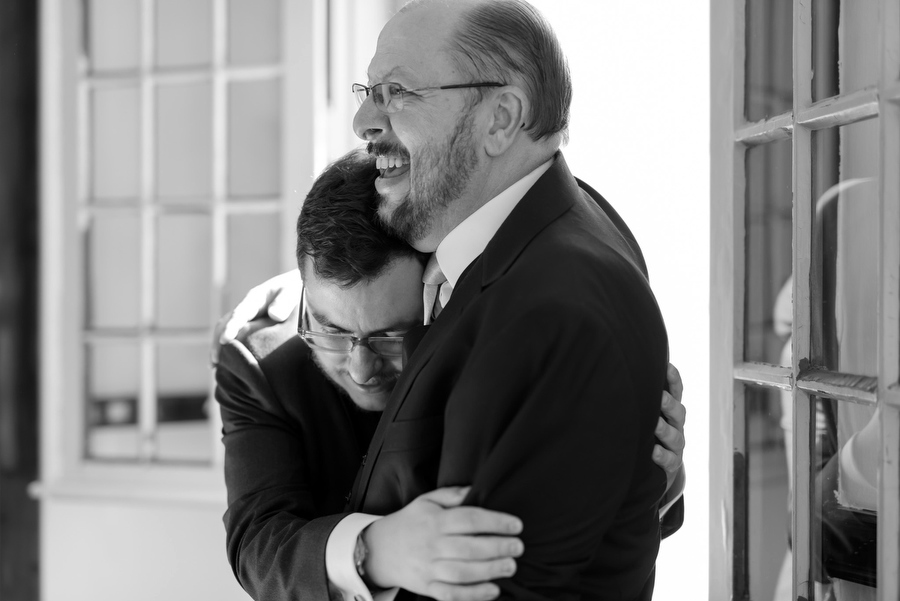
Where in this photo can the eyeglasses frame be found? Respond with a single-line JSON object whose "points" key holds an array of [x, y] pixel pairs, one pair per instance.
{"points": [[358, 87], [309, 336]]}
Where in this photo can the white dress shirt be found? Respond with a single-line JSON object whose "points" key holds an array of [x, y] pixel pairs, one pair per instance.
{"points": [[455, 253]]}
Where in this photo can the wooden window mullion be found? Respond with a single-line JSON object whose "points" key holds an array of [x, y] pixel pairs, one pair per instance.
{"points": [[888, 534], [803, 314], [147, 414]]}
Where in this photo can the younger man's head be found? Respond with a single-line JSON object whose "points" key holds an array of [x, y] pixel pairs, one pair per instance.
{"points": [[359, 282]]}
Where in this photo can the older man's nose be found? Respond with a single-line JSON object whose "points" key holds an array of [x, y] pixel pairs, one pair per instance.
{"points": [[369, 122], [364, 364]]}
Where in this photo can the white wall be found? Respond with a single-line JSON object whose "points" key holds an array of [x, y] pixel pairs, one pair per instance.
{"points": [[134, 551], [640, 136]]}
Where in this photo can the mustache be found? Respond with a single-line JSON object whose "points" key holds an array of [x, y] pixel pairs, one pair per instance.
{"points": [[387, 149]]}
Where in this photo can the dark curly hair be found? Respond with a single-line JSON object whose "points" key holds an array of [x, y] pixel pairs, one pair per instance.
{"points": [[338, 228]]}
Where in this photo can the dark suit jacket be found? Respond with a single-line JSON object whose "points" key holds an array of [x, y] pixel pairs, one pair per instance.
{"points": [[539, 385], [293, 446]]}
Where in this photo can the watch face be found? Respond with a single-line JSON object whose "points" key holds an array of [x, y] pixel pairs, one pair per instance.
{"points": [[360, 552]]}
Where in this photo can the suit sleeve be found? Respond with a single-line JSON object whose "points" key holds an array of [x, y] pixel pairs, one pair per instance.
{"points": [[564, 419], [274, 540]]}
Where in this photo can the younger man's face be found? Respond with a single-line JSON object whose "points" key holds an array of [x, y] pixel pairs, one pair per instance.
{"points": [[389, 305]]}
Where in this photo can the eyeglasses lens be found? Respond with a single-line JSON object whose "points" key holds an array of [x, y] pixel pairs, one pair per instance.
{"points": [[361, 92], [387, 348]]}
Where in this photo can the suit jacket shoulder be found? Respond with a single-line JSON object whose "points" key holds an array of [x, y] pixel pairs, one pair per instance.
{"points": [[292, 450]]}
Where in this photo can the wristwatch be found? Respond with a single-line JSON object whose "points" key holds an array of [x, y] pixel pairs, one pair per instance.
{"points": [[360, 554]]}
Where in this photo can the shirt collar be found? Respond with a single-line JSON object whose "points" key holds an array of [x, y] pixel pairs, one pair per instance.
{"points": [[469, 239]]}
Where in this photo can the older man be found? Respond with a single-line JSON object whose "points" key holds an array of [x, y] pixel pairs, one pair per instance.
{"points": [[297, 418], [539, 381]]}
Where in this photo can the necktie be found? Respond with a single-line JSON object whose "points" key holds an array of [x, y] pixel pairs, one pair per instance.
{"points": [[432, 278]]}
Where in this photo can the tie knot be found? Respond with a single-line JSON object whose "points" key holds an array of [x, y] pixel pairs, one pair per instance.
{"points": [[433, 275]]}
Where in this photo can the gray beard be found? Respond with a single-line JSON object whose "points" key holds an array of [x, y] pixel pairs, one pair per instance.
{"points": [[444, 174]]}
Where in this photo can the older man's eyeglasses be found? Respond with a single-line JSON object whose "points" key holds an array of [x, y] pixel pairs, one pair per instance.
{"points": [[386, 346], [388, 96]]}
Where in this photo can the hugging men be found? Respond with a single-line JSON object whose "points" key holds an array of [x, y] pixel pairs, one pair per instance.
{"points": [[538, 384]]}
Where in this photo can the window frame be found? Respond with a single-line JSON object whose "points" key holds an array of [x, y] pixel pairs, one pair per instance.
{"points": [[731, 136], [65, 473]]}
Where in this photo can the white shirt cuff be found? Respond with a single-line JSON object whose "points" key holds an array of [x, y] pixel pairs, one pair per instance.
{"points": [[339, 564]]}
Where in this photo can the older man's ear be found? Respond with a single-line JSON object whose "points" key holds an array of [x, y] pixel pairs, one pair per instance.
{"points": [[509, 113]]}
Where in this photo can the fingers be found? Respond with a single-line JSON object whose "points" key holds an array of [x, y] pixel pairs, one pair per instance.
{"points": [[471, 572], [670, 437], [667, 460], [246, 311], [217, 339], [673, 378], [284, 303], [674, 412], [442, 591], [449, 496], [478, 547], [285, 290], [475, 520]]}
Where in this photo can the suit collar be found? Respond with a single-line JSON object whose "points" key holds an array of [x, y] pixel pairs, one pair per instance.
{"points": [[467, 241], [551, 196]]}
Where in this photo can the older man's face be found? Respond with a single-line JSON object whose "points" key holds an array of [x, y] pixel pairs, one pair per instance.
{"points": [[389, 305], [427, 151]]}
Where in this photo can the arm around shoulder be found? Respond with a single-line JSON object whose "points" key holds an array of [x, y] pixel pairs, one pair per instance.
{"points": [[275, 536]]}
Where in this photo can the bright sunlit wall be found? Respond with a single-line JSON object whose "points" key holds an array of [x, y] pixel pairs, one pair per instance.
{"points": [[640, 136]]}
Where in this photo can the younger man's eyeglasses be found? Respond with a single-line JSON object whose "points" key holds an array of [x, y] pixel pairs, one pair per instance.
{"points": [[388, 96], [386, 346]]}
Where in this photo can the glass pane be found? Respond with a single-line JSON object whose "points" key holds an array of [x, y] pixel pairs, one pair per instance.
{"points": [[113, 380], [845, 499], [184, 431], [767, 303], [184, 256], [183, 32], [114, 271], [115, 129], [184, 149], [253, 253], [846, 247], [254, 32], [254, 138], [768, 87], [845, 51], [767, 413], [114, 34]]}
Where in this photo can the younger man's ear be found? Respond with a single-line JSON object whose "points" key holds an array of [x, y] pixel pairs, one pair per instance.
{"points": [[510, 110]]}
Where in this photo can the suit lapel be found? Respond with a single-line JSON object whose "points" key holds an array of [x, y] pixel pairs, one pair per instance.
{"points": [[426, 340]]}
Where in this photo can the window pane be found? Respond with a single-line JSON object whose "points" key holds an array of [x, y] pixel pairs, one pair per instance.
{"points": [[767, 305], [183, 32], [113, 271], [254, 140], [185, 431], [845, 497], [114, 34], [113, 381], [184, 255], [767, 414], [253, 253], [184, 148], [768, 89], [846, 247], [254, 31], [115, 129], [845, 51]]}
